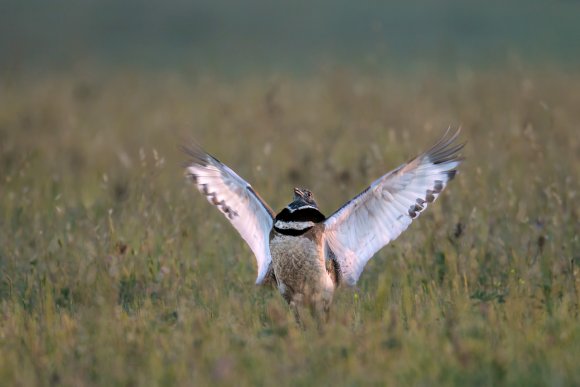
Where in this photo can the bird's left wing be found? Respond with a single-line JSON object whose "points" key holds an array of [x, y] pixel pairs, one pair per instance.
{"points": [[387, 207], [237, 200]]}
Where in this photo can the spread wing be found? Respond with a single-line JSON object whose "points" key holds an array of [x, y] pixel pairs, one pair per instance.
{"points": [[387, 207], [237, 200]]}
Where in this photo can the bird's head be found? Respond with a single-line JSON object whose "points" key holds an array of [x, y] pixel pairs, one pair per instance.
{"points": [[302, 199]]}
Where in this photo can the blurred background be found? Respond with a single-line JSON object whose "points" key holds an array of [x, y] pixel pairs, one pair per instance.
{"points": [[256, 36]]}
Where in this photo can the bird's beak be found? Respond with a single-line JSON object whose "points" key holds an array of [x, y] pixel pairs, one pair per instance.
{"points": [[298, 194]]}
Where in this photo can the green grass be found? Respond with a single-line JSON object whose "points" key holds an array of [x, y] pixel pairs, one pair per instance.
{"points": [[115, 271]]}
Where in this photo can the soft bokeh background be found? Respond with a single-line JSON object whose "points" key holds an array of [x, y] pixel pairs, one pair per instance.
{"points": [[114, 271], [300, 36]]}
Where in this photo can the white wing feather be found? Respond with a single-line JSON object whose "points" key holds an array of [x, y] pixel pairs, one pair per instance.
{"points": [[387, 207], [237, 200]]}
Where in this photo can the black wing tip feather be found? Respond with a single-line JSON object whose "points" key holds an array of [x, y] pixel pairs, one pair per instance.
{"points": [[446, 149], [451, 174], [196, 155]]}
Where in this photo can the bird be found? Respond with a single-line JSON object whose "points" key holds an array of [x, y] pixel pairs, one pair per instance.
{"points": [[303, 253]]}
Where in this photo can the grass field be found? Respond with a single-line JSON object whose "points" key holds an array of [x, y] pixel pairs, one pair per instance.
{"points": [[115, 271]]}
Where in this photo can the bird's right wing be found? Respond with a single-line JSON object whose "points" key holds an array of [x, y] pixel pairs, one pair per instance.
{"points": [[387, 207], [237, 200]]}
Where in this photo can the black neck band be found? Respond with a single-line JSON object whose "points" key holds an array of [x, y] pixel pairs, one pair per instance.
{"points": [[304, 215], [291, 231]]}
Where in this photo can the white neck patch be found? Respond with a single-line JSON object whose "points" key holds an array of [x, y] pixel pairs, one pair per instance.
{"points": [[300, 208], [293, 225]]}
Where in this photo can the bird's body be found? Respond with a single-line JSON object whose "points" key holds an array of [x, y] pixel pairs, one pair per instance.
{"points": [[307, 255], [299, 267], [301, 270]]}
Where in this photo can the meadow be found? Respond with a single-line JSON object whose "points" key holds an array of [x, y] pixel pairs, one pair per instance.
{"points": [[114, 270]]}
